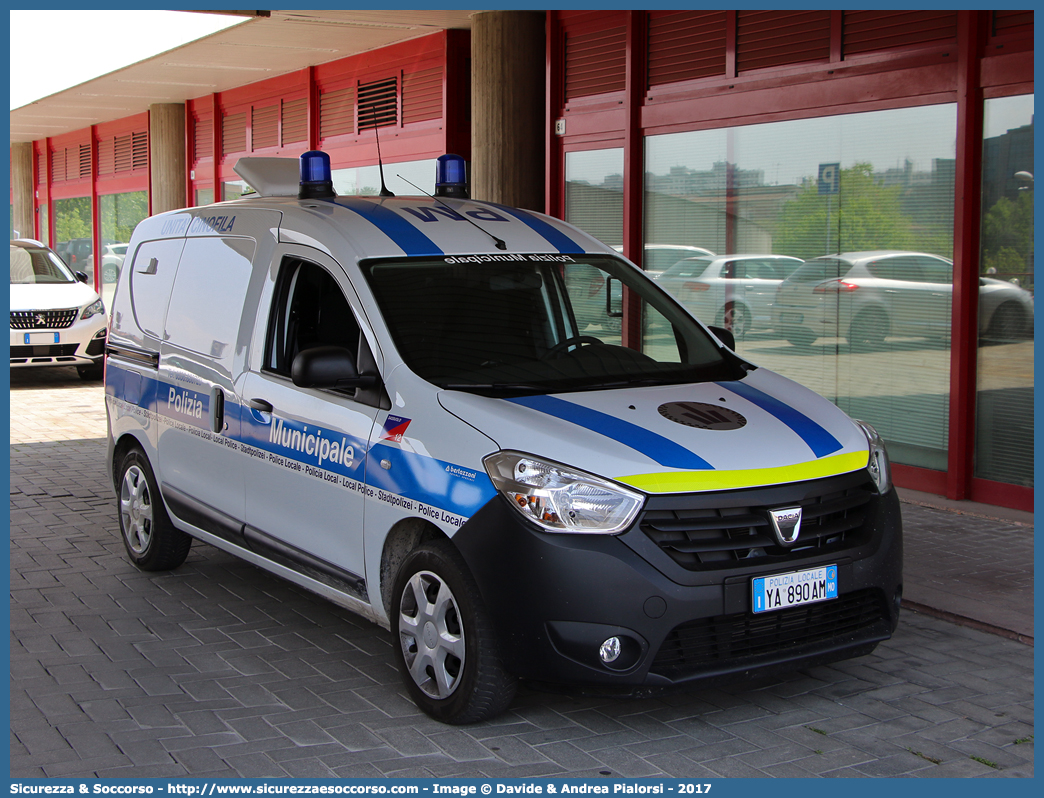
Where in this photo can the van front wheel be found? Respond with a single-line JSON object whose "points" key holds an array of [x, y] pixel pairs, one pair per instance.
{"points": [[445, 647], [152, 542]]}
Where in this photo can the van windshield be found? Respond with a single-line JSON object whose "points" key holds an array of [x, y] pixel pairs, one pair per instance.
{"points": [[516, 324]]}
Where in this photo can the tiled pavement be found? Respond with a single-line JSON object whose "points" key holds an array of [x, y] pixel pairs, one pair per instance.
{"points": [[220, 670]]}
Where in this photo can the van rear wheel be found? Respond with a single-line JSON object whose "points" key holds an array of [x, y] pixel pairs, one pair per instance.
{"points": [[152, 542], [446, 648]]}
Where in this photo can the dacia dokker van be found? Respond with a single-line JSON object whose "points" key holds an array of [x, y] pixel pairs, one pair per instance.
{"points": [[422, 409]]}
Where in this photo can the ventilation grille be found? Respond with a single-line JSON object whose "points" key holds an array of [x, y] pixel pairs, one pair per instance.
{"points": [[295, 121], [41, 169], [336, 112], [378, 104], [123, 154], [71, 163], [422, 95], [1012, 22], [779, 38], [264, 127], [203, 140], [686, 45], [233, 133], [595, 62], [871, 31], [43, 319], [705, 644], [140, 150]]}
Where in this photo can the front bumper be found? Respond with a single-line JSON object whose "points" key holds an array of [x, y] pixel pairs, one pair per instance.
{"points": [[82, 344], [555, 598]]}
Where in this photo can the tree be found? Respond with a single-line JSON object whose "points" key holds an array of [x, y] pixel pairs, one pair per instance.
{"points": [[864, 215], [1007, 235]]}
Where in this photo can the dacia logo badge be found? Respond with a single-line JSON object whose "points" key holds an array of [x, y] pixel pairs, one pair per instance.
{"points": [[786, 523]]}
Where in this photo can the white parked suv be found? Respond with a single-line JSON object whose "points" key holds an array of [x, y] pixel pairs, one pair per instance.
{"points": [[56, 319]]}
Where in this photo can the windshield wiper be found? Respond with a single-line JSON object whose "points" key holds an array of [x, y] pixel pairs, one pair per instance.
{"points": [[495, 386]]}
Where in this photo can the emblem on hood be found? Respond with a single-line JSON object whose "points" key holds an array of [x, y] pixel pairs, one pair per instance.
{"points": [[786, 523], [702, 415]]}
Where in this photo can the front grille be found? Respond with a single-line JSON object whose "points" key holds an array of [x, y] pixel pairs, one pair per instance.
{"points": [[714, 537], [707, 643], [29, 352], [42, 319]]}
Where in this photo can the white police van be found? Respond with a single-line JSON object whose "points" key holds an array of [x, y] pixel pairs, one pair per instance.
{"points": [[420, 408]]}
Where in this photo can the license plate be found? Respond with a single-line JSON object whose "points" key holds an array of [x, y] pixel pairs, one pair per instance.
{"points": [[36, 339], [780, 591], [791, 317]]}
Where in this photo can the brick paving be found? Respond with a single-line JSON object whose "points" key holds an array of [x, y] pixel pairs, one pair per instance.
{"points": [[218, 669]]}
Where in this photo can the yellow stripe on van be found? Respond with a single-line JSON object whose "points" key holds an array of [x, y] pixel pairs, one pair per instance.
{"points": [[693, 481]]}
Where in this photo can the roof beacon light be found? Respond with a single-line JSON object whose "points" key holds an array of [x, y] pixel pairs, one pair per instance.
{"points": [[316, 178], [450, 177]]}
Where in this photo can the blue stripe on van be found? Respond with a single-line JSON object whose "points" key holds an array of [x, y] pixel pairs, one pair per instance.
{"points": [[818, 439], [551, 234], [656, 447], [412, 241]]}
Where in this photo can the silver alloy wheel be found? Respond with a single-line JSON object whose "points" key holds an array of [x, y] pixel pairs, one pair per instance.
{"points": [[136, 510], [431, 634]]}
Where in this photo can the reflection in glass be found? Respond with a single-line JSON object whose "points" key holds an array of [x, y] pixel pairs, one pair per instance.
{"points": [[120, 214], [1004, 403], [234, 189], [594, 193], [867, 201], [73, 234], [365, 181], [204, 196]]}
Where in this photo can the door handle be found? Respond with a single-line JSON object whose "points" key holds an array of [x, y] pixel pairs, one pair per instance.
{"points": [[260, 405], [217, 409]]}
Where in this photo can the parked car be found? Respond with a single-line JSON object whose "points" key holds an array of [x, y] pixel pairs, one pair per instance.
{"points": [[658, 257], [731, 291], [56, 320], [867, 296], [112, 261], [76, 252]]}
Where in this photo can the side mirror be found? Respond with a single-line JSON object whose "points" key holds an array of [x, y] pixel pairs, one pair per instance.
{"points": [[328, 367], [725, 336], [613, 298], [82, 277]]}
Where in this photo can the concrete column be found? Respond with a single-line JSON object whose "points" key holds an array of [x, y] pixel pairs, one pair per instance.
{"points": [[507, 107], [167, 156], [23, 189]]}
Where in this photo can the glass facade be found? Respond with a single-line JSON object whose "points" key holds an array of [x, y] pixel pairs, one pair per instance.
{"points": [[398, 177], [866, 200], [1004, 396], [74, 234], [233, 190], [120, 214], [594, 193]]}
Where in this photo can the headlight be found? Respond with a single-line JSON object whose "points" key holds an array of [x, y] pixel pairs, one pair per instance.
{"points": [[878, 465], [93, 309], [560, 499]]}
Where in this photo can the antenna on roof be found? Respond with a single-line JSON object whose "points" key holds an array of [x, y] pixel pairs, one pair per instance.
{"points": [[501, 244], [380, 165]]}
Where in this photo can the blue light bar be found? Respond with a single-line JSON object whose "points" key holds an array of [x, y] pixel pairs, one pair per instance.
{"points": [[451, 179], [316, 176]]}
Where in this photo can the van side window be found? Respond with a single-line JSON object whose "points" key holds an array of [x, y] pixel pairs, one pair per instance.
{"points": [[309, 309]]}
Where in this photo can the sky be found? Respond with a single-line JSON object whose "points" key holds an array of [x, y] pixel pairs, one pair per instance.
{"points": [[94, 43]]}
